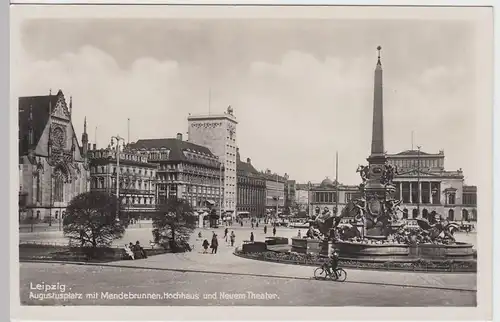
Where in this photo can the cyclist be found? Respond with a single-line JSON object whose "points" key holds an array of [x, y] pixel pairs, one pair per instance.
{"points": [[332, 264]]}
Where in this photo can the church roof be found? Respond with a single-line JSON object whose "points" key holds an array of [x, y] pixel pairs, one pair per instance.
{"points": [[40, 115]]}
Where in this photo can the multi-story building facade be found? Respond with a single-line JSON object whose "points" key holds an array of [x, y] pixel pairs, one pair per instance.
{"points": [[53, 165], [251, 196], [137, 179], [218, 133], [330, 195], [422, 183], [302, 198], [185, 170], [275, 192]]}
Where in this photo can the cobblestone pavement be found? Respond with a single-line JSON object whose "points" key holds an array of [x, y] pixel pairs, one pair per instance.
{"points": [[101, 285], [142, 233], [226, 262]]}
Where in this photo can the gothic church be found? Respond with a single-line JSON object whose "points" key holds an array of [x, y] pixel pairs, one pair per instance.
{"points": [[53, 167]]}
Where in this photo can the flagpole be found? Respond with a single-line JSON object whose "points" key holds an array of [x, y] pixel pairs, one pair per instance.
{"points": [[337, 182]]}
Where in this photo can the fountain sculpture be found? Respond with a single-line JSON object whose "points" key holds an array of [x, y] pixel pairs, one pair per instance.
{"points": [[377, 232]]}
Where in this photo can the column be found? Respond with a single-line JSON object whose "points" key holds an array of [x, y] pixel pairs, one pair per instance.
{"points": [[411, 192], [430, 192], [420, 192], [400, 190]]}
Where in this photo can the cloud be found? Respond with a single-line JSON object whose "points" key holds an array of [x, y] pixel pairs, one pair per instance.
{"points": [[293, 114]]}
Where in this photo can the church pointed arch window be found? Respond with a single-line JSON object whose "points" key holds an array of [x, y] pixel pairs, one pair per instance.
{"points": [[59, 178], [58, 189]]}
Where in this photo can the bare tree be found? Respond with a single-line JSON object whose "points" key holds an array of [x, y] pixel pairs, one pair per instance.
{"points": [[91, 219], [173, 223]]}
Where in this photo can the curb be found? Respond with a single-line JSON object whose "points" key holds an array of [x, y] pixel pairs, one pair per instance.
{"points": [[383, 269], [247, 274]]}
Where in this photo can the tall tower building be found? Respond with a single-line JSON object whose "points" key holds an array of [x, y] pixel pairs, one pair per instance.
{"points": [[218, 133]]}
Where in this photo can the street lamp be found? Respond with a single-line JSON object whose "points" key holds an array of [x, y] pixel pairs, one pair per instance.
{"points": [[277, 197], [51, 198], [118, 139], [221, 165], [32, 219]]}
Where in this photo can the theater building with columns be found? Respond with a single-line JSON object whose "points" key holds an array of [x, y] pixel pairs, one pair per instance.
{"points": [[425, 186], [422, 183]]}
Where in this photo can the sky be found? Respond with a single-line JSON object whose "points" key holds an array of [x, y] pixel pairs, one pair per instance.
{"points": [[300, 89]]}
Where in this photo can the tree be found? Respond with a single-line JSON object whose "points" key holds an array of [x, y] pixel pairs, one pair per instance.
{"points": [[173, 223], [91, 219]]}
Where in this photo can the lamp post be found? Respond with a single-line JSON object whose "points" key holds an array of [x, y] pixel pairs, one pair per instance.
{"points": [[277, 196], [418, 180], [51, 198], [220, 191], [32, 219], [118, 139], [336, 183], [60, 219]]}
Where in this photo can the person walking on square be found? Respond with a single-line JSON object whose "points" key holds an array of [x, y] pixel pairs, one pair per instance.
{"points": [[251, 237], [140, 250], [226, 231], [252, 224], [233, 237], [215, 244], [274, 231], [265, 229], [205, 246]]}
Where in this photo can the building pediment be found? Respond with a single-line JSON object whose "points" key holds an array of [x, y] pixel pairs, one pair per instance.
{"points": [[61, 109], [416, 173]]}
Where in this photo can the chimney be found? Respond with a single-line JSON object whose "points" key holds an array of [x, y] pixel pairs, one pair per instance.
{"points": [[249, 161], [238, 154], [179, 136]]}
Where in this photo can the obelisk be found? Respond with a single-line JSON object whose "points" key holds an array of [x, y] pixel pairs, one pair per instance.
{"points": [[378, 111], [377, 158]]}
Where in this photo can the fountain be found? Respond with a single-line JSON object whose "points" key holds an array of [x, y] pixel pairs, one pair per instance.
{"points": [[377, 232], [376, 236]]}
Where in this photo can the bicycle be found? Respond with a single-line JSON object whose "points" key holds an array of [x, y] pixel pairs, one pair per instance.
{"points": [[323, 273]]}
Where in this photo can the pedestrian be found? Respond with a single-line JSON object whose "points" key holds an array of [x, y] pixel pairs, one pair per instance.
{"points": [[140, 250], [128, 252], [225, 233], [274, 231], [252, 224], [241, 223], [233, 237], [257, 224], [205, 246], [199, 234], [299, 234], [215, 244], [265, 229], [251, 237]]}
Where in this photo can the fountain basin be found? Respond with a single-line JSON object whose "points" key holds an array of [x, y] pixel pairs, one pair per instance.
{"points": [[401, 252]]}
